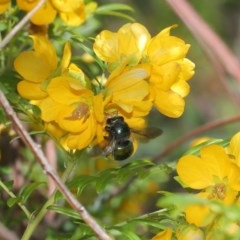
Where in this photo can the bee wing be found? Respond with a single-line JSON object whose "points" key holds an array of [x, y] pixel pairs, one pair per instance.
{"points": [[144, 135]]}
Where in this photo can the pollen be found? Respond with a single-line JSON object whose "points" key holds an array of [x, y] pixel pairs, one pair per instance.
{"points": [[82, 111], [218, 192]]}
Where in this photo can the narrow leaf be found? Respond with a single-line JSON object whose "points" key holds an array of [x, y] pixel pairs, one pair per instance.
{"points": [[65, 211], [26, 192]]}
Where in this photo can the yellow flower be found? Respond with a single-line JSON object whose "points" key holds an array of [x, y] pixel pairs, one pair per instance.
{"points": [[127, 92], [72, 12], [164, 235], [4, 5], [76, 110], [215, 173], [35, 67], [70, 111], [170, 71], [38, 66], [124, 47], [163, 56]]}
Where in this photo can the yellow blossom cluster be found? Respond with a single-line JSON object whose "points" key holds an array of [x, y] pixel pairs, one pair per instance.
{"points": [[142, 72], [161, 56], [72, 12], [215, 175]]}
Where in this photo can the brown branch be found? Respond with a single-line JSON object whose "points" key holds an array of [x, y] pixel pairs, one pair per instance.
{"points": [[49, 171], [20, 25], [193, 133], [206, 36]]}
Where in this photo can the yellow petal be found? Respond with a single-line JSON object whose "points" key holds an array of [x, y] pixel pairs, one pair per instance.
{"points": [[126, 80], [163, 77], [4, 1], [74, 18], [49, 109], [45, 50], [45, 15], [197, 215], [31, 67], [169, 103], [135, 123], [133, 39], [234, 147], [182, 88], [82, 139], [216, 161], [233, 177], [193, 172], [59, 90], [78, 78], [164, 235], [135, 92], [231, 195], [67, 5], [163, 49], [68, 122], [26, 5], [166, 31], [128, 43], [54, 130], [31, 91], [4, 6], [66, 55], [105, 46], [98, 107], [187, 69]]}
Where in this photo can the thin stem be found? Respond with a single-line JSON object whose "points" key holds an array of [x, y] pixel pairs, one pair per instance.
{"points": [[12, 195], [20, 25], [48, 170], [37, 219], [196, 131]]}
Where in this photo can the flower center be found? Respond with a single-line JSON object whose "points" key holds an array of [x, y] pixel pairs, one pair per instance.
{"points": [[81, 111], [218, 192]]}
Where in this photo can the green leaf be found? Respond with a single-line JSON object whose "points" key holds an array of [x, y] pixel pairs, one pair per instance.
{"points": [[104, 178], [195, 150], [88, 50], [156, 223], [81, 182], [115, 9], [133, 168], [13, 200], [3, 118], [65, 211], [128, 234], [3, 26], [118, 14], [180, 200], [26, 192]]}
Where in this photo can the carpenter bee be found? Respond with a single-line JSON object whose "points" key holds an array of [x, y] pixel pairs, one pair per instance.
{"points": [[119, 137]]}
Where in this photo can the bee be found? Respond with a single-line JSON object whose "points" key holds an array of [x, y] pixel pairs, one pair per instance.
{"points": [[119, 137]]}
